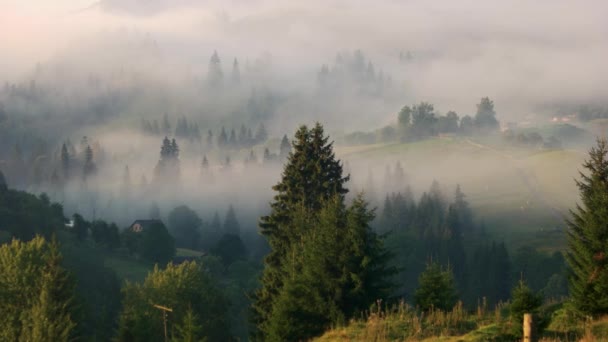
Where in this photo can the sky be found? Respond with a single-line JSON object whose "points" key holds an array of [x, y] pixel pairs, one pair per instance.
{"points": [[520, 53]]}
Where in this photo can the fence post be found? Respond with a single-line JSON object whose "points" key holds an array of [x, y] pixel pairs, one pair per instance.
{"points": [[528, 328]]}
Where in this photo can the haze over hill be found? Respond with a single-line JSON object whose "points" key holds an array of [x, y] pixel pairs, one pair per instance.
{"points": [[407, 142]]}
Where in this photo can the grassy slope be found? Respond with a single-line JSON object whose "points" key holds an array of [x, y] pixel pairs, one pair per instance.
{"points": [[514, 192], [131, 269]]}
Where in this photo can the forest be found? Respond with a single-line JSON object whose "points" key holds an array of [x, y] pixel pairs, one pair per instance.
{"points": [[264, 171]]}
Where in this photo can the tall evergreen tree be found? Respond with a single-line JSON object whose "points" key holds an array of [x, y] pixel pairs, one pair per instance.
{"points": [[215, 75], [209, 138], [232, 140], [261, 135], [65, 161], [89, 168], [311, 194], [285, 148], [485, 118], [231, 224], [236, 73], [166, 125], [588, 236], [222, 139], [167, 167], [3, 184]]}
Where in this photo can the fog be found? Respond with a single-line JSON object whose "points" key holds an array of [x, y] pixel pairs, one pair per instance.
{"points": [[97, 69]]}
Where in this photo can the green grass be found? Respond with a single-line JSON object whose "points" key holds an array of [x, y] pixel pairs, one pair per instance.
{"points": [[188, 252], [521, 195], [128, 268]]}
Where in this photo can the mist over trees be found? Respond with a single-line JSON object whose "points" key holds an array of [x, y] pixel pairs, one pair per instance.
{"points": [[157, 161]]}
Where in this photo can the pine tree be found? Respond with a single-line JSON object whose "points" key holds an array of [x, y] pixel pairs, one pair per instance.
{"points": [[216, 224], [231, 224], [261, 135], [89, 166], [243, 136], [166, 125], [126, 183], [436, 289], [209, 138], [285, 148], [204, 165], [523, 300], [215, 76], [236, 73], [3, 184], [167, 167], [312, 188], [222, 139], [485, 119], [587, 236], [65, 161], [232, 140]]}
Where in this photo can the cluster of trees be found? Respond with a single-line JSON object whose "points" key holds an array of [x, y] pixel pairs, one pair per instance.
{"points": [[591, 112], [244, 139], [24, 215], [446, 233], [184, 129], [420, 121], [40, 301], [326, 263], [353, 70], [531, 139], [167, 167], [222, 240], [198, 306]]}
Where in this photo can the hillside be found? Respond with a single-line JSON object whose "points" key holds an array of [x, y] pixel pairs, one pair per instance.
{"points": [[515, 190]]}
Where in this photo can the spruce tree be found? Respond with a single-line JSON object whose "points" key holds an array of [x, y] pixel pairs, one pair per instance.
{"points": [[3, 185], [285, 148], [231, 224], [89, 165], [314, 236], [588, 236], [215, 76], [236, 73], [222, 139], [65, 161], [436, 289]]}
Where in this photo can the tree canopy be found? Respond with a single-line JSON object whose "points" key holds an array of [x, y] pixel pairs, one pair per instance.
{"points": [[588, 236]]}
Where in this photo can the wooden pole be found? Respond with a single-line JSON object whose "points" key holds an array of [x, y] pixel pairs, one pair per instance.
{"points": [[164, 310], [528, 328]]}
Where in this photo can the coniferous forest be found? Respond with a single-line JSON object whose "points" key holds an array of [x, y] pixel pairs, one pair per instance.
{"points": [[265, 171]]}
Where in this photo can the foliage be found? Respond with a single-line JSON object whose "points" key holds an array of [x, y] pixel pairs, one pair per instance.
{"points": [[231, 224], [157, 245], [485, 118], [587, 236], [436, 289], [311, 175], [321, 250], [37, 293], [230, 248], [185, 226], [197, 303], [523, 300], [24, 215]]}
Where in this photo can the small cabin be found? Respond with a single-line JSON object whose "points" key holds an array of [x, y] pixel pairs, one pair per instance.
{"points": [[139, 226]]}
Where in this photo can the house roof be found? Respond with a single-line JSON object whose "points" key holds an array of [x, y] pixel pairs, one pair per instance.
{"points": [[140, 225]]}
